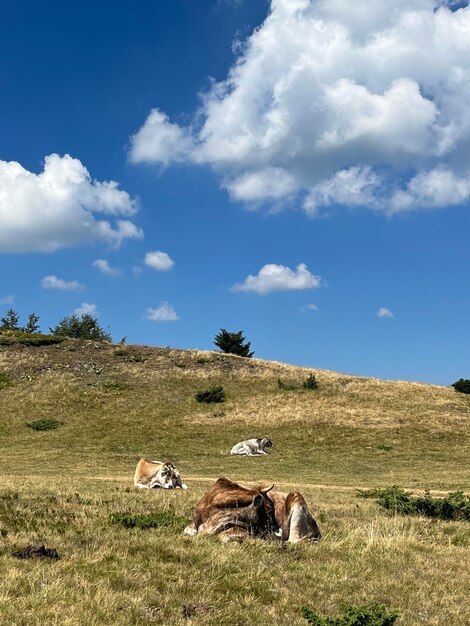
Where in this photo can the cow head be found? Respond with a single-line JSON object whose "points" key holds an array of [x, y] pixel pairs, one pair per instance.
{"points": [[264, 522], [266, 442], [168, 476], [228, 506]]}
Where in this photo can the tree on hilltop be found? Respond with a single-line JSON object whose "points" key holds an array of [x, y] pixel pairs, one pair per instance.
{"points": [[84, 327], [32, 325], [233, 343], [10, 321]]}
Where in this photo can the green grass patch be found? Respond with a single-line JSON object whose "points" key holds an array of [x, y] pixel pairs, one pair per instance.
{"points": [[5, 380], [371, 615], [455, 506], [44, 424], [213, 394], [160, 519]]}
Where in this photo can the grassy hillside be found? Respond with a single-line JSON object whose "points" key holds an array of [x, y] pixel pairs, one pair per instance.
{"points": [[116, 403]]}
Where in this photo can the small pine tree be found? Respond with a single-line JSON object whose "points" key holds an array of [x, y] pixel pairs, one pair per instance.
{"points": [[10, 321], [32, 325], [462, 385], [233, 343], [310, 382], [84, 327]]}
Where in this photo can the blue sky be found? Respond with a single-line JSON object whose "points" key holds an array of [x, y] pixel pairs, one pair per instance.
{"points": [[294, 169]]}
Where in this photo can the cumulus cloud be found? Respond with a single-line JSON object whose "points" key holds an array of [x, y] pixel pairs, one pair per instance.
{"points": [[308, 307], [105, 268], [61, 207], [163, 313], [86, 308], [384, 312], [53, 282], [333, 102], [272, 277], [159, 261], [10, 299]]}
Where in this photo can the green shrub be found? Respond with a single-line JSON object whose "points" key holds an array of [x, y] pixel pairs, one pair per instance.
{"points": [[214, 394], [38, 339], [371, 615], [44, 424], [127, 356], [310, 382], [5, 380], [462, 385], [160, 519], [455, 506]]}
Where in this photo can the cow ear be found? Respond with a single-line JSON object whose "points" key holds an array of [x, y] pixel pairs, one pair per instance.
{"points": [[266, 489], [258, 501]]}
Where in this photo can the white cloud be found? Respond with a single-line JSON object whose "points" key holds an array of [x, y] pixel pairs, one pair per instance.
{"points": [[272, 277], [105, 268], [384, 312], [7, 299], [333, 102], [160, 141], [53, 282], [160, 261], [309, 307], [163, 313], [59, 207], [86, 308]]}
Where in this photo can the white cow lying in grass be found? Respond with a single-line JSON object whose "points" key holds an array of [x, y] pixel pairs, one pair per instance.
{"points": [[252, 447], [157, 475]]}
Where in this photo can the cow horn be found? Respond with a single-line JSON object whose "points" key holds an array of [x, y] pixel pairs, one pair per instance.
{"points": [[266, 489]]}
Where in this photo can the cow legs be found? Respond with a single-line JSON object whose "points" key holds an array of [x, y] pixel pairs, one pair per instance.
{"points": [[141, 486]]}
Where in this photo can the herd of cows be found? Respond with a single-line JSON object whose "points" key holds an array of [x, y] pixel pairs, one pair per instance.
{"points": [[234, 511]]}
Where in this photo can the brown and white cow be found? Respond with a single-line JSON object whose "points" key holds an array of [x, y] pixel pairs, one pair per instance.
{"points": [[157, 474], [236, 512]]}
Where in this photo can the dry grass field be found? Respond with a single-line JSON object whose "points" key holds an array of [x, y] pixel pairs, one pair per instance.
{"points": [[116, 403]]}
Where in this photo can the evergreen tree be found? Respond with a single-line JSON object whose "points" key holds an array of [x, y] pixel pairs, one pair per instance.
{"points": [[32, 325], [233, 343], [10, 321], [84, 327]]}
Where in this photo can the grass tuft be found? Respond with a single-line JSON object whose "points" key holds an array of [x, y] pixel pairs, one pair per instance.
{"points": [[371, 615], [44, 424], [160, 519], [213, 394]]}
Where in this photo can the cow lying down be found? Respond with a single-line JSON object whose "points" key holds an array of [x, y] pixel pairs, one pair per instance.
{"points": [[235, 512], [156, 475]]}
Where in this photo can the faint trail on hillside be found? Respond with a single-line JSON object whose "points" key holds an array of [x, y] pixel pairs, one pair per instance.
{"points": [[282, 483]]}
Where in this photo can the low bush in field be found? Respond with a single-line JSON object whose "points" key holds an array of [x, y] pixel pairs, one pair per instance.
{"points": [[44, 424], [462, 385], [5, 380], [127, 356], [310, 382], [455, 506], [372, 615], [160, 519], [213, 394], [29, 339]]}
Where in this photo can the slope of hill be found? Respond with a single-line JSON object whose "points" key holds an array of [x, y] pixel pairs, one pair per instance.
{"points": [[116, 403]]}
